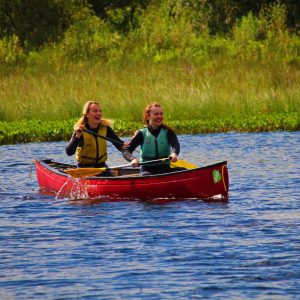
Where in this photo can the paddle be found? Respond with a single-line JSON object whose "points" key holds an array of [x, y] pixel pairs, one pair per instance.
{"points": [[183, 164], [179, 163], [102, 136], [86, 172]]}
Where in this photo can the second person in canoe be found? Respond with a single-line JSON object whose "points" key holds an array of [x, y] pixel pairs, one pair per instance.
{"points": [[157, 141]]}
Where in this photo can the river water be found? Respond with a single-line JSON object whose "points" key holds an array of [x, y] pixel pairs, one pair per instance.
{"points": [[246, 248]]}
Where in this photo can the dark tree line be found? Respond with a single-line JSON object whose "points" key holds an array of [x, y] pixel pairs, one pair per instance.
{"points": [[226, 12], [37, 22]]}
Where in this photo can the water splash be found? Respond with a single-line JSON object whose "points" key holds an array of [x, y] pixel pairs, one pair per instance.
{"points": [[73, 189]]}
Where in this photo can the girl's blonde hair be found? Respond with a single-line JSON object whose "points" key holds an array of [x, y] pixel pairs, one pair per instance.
{"points": [[84, 120]]}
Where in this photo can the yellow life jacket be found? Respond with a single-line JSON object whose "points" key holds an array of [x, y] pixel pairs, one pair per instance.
{"points": [[93, 150]]}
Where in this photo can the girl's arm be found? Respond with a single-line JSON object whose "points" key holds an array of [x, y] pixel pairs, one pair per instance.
{"points": [[73, 144], [112, 135], [135, 141]]}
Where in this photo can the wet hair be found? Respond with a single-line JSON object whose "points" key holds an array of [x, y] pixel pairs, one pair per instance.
{"points": [[84, 120]]}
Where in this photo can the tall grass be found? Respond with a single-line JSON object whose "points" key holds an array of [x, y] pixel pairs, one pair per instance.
{"points": [[186, 91], [169, 57]]}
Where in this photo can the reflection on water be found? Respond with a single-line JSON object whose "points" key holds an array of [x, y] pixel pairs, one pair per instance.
{"points": [[247, 248]]}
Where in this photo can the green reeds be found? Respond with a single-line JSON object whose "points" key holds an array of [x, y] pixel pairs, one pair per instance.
{"points": [[186, 91]]}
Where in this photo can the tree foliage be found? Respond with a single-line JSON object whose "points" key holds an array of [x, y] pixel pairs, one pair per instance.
{"points": [[57, 32], [36, 22], [223, 14]]}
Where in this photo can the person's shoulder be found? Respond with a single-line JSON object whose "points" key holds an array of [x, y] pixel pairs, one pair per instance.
{"points": [[106, 122], [109, 129], [138, 132], [145, 131], [167, 128], [138, 135]]}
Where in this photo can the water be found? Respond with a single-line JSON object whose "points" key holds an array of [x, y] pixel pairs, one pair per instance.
{"points": [[247, 248]]}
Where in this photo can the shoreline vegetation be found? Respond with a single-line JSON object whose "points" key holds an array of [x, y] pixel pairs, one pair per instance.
{"points": [[48, 131], [209, 74]]}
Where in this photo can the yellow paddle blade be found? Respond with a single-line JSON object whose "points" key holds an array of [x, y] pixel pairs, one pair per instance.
{"points": [[84, 172], [183, 164]]}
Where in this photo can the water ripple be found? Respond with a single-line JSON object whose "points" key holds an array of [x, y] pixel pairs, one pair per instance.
{"points": [[246, 248]]}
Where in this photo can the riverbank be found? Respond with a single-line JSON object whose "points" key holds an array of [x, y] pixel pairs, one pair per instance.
{"points": [[45, 131], [247, 79]]}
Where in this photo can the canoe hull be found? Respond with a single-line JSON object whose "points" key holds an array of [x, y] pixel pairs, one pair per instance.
{"points": [[201, 183]]}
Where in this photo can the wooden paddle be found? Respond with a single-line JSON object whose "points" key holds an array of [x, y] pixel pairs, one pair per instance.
{"points": [[86, 172]]}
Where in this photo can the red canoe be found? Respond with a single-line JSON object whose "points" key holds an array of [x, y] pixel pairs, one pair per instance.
{"points": [[209, 182]]}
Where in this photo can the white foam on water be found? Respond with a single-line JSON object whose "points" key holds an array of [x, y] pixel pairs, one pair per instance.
{"points": [[73, 189]]}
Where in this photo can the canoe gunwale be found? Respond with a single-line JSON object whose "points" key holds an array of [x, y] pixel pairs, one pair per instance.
{"points": [[207, 182], [46, 164]]}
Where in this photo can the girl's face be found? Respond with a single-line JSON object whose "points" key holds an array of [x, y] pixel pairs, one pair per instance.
{"points": [[155, 117], [94, 115]]}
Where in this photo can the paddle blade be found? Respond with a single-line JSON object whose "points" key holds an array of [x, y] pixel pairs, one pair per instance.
{"points": [[183, 164], [84, 172]]}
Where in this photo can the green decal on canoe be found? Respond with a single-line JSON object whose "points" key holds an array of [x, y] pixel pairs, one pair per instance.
{"points": [[216, 176]]}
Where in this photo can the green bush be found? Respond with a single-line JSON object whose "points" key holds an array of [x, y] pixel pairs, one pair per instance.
{"points": [[11, 51]]}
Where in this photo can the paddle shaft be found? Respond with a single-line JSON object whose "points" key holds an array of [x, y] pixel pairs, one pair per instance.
{"points": [[182, 163], [84, 172], [141, 163], [102, 136]]}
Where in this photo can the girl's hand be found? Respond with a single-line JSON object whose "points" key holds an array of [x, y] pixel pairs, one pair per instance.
{"points": [[134, 162], [173, 157], [125, 145], [78, 131]]}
